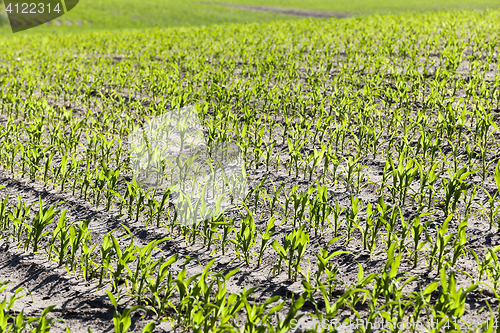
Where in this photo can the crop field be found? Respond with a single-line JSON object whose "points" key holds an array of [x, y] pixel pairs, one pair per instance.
{"points": [[363, 7], [370, 201], [130, 14]]}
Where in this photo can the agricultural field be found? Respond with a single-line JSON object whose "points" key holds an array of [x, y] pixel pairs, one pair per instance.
{"points": [[129, 14], [364, 7], [369, 147]]}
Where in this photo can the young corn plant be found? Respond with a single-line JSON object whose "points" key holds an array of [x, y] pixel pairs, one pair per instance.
{"points": [[138, 277], [402, 177], [122, 321], [35, 230], [291, 250], [326, 267], [490, 267], [61, 235], [245, 239], [285, 325], [160, 285], [88, 255], [376, 225], [390, 223], [319, 210], [451, 302], [9, 322], [106, 254], [390, 287], [441, 246], [369, 225], [316, 158], [352, 217], [4, 217], [78, 235], [17, 216], [299, 204], [258, 316], [274, 199], [493, 209], [123, 259], [265, 238], [336, 213], [459, 244], [353, 176], [419, 242], [453, 189]]}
